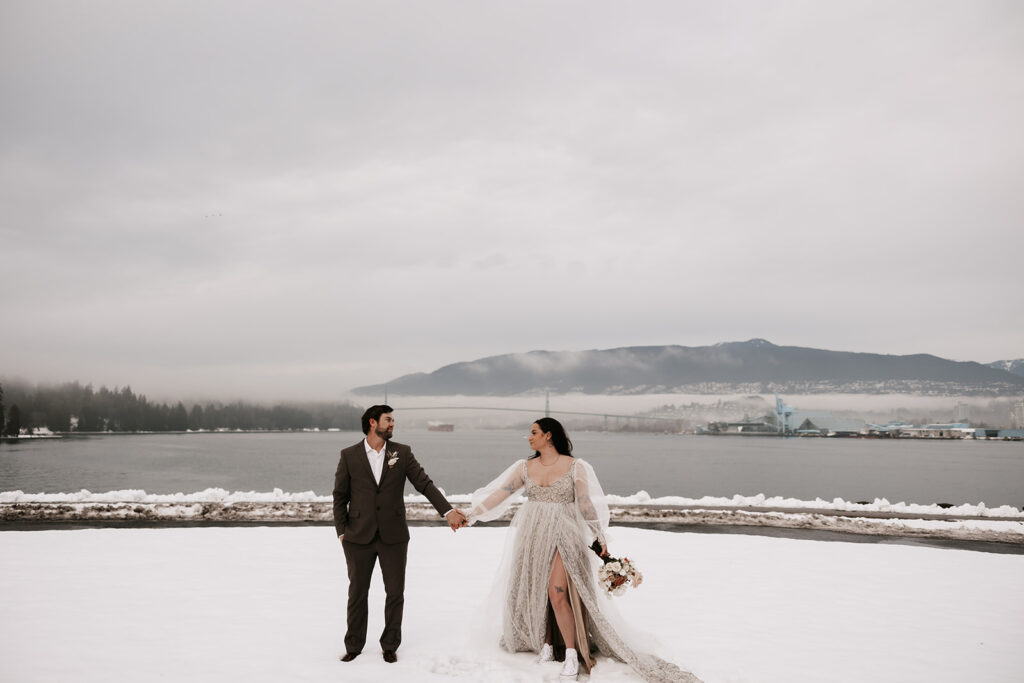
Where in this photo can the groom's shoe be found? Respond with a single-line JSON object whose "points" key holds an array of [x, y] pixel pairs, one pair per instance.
{"points": [[349, 656], [390, 657]]}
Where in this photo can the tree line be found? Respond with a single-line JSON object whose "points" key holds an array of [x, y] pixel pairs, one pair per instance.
{"points": [[72, 407]]}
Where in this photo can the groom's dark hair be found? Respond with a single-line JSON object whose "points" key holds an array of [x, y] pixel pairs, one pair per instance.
{"points": [[374, 413]]}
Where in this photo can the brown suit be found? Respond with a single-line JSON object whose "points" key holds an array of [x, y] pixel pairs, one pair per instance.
{"points": [[371, 516]]}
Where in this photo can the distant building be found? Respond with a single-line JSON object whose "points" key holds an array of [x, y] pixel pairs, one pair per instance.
{"points": [[890, 429], [951, 430], [1000, 434], [743, 427], [826, 424]]}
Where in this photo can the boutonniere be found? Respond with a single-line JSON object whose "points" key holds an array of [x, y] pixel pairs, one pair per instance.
{"points": [[392, 459]]}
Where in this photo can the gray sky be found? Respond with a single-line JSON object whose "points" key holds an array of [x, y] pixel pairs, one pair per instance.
{"points": [[286, 200]]}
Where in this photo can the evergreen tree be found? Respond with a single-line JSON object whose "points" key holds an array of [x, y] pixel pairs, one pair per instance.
{"points": [[121, 410], [178, 418], [196, 418], [89, 418], [14, 421]]}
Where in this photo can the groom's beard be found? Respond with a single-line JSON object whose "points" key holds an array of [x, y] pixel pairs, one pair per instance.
{"points": [[385, 433]]}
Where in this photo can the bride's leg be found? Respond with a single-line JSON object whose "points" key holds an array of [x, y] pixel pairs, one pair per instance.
{"points": [[558, 594]]}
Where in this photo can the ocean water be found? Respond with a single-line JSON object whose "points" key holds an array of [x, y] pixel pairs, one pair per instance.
{"points": [[911, 471]]}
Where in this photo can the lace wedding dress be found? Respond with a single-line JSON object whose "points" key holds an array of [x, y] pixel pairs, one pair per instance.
{"points": [[564, 517]]}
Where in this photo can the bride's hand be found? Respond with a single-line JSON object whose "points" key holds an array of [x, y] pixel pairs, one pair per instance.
{"points": [[604, 550], [456, 519]]}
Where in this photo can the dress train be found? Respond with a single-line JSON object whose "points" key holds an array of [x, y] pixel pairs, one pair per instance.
{"points": [[563, 517]]}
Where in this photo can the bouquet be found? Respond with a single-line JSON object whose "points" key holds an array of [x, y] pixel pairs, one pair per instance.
{"points": [[615, 574]]}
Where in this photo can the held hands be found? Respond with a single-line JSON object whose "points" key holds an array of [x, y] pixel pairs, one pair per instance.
{"points": [[456, 519]]}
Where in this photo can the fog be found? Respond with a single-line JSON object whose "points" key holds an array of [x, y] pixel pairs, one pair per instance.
{"points": [[683, 410]]}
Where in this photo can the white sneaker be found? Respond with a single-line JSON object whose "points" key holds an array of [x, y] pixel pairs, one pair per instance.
{"points": [[571, 669], [547, 654]]}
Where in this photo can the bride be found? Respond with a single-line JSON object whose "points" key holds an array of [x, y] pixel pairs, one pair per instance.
{"points": [[551, 602]]}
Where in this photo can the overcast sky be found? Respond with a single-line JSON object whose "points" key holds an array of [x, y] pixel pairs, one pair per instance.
{"points": [[285, 200]]}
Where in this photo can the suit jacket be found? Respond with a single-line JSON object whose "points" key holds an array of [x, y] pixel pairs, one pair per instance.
{"points": [[362, 507]]}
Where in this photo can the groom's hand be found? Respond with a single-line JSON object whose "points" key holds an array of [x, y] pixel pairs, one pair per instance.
{"points": [[456, 519]]}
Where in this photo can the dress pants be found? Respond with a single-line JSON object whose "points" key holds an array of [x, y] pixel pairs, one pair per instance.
{"points": [[361, 558]]}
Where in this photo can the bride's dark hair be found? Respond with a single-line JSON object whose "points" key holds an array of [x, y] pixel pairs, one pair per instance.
{"points": [[559, 439]]}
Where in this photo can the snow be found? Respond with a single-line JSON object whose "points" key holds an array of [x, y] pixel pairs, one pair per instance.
{"points": [[218, 495], [267, 605], [219, 506], [212, 495]]}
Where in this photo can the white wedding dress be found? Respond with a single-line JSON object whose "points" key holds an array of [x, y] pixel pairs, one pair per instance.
{"points": [[566, 516]]}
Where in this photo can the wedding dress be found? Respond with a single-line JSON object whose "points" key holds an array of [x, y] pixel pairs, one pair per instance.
{"points": [[564, 517]]}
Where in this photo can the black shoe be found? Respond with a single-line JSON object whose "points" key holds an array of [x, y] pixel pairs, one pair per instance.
{"points": [[390, 657], [349, 656]]}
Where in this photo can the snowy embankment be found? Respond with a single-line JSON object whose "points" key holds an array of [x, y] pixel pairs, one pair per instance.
{"points": [[962, 522], [265, 605]]}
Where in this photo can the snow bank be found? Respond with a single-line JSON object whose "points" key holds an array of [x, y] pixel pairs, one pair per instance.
{"points": [[878, 505], [218, 506], [214, 495], [641, 498]]}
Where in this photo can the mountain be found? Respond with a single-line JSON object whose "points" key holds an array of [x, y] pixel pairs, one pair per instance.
{"points": [[755, 366], [1014, 366]]}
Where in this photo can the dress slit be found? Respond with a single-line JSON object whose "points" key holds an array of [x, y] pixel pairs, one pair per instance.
{"points": [[551, 521], [579, 615], [581, 622]]}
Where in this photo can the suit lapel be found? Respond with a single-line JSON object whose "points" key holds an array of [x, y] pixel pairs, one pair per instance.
{"points": [[365, 462], [384, 467]]}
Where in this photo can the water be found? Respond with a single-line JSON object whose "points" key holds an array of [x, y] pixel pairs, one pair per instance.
{"points": [[693, 466]]}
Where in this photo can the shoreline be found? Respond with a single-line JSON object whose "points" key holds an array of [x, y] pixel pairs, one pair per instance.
{"points": [[969, 529], [821, 535]]}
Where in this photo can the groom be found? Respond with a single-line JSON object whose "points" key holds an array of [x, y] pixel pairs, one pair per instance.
{"points": [[369, 516]]}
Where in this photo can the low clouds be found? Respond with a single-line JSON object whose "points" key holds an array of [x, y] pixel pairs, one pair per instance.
{"points": [[288, 200]]}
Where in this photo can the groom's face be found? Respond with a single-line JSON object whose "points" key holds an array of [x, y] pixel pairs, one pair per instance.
{"points": [[385, 426]]}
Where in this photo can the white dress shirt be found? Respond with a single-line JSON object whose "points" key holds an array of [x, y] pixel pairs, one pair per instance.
{"points": [[376, 459]]}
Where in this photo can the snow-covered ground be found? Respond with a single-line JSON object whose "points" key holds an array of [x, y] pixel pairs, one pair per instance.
{"points": [[267, 604]]}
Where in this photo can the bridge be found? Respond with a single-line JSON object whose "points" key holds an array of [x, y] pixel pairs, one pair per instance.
{"points": [[668, 422]]}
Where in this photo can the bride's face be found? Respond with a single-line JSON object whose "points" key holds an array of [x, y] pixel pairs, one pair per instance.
{"points": [[537, 438]]}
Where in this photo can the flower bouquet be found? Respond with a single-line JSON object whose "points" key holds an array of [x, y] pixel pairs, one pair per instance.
{"points": [[615, 574]]}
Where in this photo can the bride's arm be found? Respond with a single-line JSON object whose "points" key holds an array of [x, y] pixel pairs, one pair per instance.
{"points": [[492, 500], [591, 501]]}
